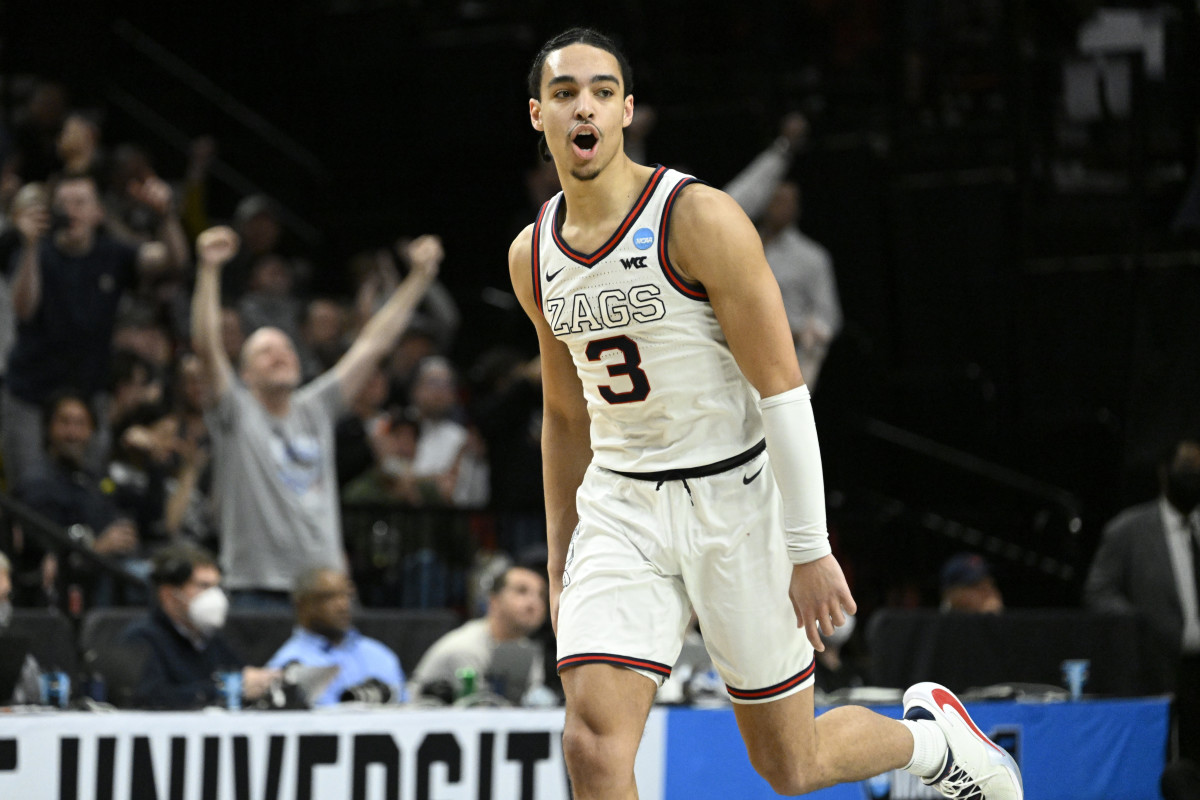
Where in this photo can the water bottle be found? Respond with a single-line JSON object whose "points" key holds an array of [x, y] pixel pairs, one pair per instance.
{"points": [[56, 688], [229, 686], [466, 681]]}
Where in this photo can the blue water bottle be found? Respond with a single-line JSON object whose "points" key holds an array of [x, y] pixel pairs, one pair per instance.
{"points": [[229, 685]]}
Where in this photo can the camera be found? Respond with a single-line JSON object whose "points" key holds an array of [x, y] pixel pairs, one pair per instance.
{"points": [[371, 690]]}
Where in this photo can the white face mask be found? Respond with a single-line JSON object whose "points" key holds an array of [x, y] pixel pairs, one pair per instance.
{"points": [[208, 609]]}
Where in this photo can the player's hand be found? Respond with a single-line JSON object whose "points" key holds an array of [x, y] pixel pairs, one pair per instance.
{"points": [[820, 598], [216, 246], [424, 255]]}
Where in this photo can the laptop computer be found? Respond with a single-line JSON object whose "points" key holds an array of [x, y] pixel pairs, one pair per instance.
{"points": [[511, 669]]}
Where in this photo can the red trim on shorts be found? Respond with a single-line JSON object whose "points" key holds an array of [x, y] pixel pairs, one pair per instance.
{"points": [[777, 689], [615, 660], [591, 260]]}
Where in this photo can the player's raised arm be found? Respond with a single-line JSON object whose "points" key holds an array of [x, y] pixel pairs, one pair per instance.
{"points": [[566, 440], [713, 242]]}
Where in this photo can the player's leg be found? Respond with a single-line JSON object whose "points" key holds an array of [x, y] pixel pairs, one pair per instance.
{"points": [[621, 620], [737, 576], [607, 708], [796, 753]]}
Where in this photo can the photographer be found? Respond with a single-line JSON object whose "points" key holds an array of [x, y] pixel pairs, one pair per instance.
{"points": [[325, 637], [67, 280]]}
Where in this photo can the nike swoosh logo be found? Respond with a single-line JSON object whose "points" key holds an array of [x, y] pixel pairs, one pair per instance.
{"points": [[747, 481], [551, 276]]}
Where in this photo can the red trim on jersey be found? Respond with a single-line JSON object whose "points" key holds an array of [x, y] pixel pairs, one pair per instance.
{"points": [[777, 689], [687, 288], [536, 258], [607, 247], [620, 661], [945, 698]]}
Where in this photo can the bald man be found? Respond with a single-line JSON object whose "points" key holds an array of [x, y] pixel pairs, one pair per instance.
{"points": [[273, 440]]}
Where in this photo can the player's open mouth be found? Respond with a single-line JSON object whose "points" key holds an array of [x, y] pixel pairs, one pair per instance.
{"points": [[584, 144]]}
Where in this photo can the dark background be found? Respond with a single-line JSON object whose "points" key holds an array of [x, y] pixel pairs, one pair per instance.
{"points": [[1021, 318]]}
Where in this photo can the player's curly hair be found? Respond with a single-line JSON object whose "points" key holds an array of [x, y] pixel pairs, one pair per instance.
{"points": [[588, 36]]}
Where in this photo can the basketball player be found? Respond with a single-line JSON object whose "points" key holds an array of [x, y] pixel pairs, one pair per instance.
{"points": [[670, 386]]}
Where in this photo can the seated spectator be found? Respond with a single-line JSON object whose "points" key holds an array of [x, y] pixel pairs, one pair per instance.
{"points": [[189, 511], [325, 637], [516, 608], [967, 585], [322, 336], [133, 382], [233, 333], [269, 301], [144, 459], [353, 432], [390, 479], [25, 687], [447, 452], [181, 636], [258, 221], [64, 491], [78, 148]]}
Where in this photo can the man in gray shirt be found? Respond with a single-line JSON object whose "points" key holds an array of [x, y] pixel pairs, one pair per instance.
{"points": [[516, 608], [275, 483]]}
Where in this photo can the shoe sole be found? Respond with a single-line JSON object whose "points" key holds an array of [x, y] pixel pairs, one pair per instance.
{"points": [[920, 696]]}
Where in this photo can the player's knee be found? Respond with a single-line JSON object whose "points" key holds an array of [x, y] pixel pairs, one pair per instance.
{"points": [[593, 757], [785, 776]]}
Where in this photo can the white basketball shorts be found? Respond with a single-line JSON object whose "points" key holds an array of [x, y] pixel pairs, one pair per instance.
{"points": [[647, 551]]}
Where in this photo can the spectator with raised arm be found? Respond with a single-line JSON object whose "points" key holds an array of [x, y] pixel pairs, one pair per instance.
{"points": [[802, 267], [273, 442], [66, 287]]}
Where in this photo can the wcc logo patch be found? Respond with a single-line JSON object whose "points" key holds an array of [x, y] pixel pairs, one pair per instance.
{"points": [[637, 262], [643, 238]]}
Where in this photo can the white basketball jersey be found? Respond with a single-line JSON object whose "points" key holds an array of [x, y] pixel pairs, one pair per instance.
{"points": [[663, 391]]}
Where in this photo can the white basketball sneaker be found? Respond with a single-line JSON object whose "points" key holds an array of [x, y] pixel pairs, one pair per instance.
{"points": [[976, 768]]}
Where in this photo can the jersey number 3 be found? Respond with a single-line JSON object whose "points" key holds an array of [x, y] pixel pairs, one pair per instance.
{"points": [[629, 367]]}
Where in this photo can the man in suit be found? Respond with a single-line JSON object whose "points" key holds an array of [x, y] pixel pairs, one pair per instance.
{"points": [[1148, 563]]}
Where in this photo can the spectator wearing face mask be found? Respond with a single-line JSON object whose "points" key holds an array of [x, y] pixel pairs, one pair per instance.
{"points": [[182, 640]]}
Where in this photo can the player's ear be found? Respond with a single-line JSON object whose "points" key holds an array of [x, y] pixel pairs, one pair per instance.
{"points": [[535, 114], [627, 118]]}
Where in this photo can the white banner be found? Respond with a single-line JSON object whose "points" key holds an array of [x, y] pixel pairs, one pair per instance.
{"points": [[394, 754]]}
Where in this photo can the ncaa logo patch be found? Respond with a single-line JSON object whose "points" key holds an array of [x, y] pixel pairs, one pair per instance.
{"points": [[643, 238]]}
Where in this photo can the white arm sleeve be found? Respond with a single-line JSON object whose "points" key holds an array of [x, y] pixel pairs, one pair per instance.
{"points": [[791, 433]]}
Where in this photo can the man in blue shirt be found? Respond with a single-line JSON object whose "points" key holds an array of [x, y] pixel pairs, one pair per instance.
{"points": [[325, 636]]}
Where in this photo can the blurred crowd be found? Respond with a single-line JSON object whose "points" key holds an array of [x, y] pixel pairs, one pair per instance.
{"points": [[103, 428]]}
